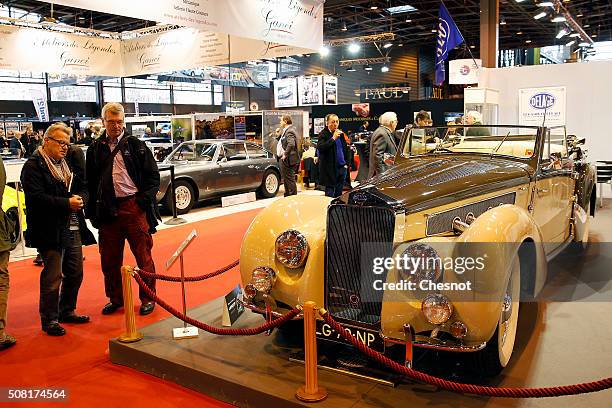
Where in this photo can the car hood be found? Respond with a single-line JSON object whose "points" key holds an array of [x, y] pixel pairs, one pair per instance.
{"points": [[430, 181]]}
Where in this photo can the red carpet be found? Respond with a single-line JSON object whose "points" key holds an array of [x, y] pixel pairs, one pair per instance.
{"points": [[79, 360]]}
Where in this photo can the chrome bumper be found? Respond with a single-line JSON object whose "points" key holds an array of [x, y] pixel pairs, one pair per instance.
{"points": [[274, 313]]}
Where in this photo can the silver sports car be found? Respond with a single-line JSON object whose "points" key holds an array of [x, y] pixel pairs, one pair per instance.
{"points": [[212, 168]]}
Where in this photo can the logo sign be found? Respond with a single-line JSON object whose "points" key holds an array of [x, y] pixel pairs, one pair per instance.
{"points": [[384, 92], [464, 71], [542, 100]]}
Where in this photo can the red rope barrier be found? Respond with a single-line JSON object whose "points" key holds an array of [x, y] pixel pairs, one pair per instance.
{"points": [[503, 392], [188, 278], [211, 329]]}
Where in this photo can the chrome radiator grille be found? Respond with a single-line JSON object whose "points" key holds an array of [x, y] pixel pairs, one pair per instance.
{"points": [[355, 235], [443, 222]]}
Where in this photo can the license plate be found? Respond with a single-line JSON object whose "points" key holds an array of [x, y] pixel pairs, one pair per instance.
{"points": [[370, 338]]}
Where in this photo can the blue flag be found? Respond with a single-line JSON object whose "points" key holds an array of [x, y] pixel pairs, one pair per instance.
{"points": [[448, 39]]}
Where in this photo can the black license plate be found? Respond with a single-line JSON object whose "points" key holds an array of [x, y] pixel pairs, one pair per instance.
{"points": [[370, 338]]}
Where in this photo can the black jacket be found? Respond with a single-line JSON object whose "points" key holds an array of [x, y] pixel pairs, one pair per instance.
{"points": [[141, 168], [46, 198], [326, 145]]}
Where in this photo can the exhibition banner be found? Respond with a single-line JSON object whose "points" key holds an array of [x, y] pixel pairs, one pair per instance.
{"points": [[464, 71], [285, 93], [51, 51], [542, 106], [39, 98], [292, 22]]}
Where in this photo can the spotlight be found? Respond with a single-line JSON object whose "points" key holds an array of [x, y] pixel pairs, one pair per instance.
{"points": [[540, 15], [384, 68], [354, 47], [367, 68], [558, 18], [324, 51], [387, 45]]}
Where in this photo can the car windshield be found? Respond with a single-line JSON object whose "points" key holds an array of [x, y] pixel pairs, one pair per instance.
{"points": [[195, 152], [497, 140]]}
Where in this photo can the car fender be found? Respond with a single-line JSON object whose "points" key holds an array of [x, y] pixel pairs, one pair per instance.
{"points": [[497, 236], [306, 214]]}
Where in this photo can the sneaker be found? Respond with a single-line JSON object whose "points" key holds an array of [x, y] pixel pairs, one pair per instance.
{"points": [[9, 341]]}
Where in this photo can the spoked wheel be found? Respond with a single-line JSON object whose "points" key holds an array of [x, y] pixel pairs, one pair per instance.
{"points": [[496, 355]]}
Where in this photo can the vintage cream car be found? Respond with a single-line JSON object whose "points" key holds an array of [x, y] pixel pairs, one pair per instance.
{"points": [[511, 198]]}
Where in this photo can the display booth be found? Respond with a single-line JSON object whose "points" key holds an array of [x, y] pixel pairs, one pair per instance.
{"points": [[483, 100]]}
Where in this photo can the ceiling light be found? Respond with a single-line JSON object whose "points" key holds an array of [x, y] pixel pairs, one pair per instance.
{"points": [[519, 32], [401, 9], [344, 26], [562, 33], [387, 45], [354, 47], [472, 46], [324, 51], [408, 20], [373, 6], [579, 14], [586, 25], [569, 44], [503, 21], [574, 35], [558, 18], [351, 69], [520, 1], [545, 4], [584, 44], [400, 44], [594, 36], [540, 15], [367, 68], [434, 30], [527, 41], [384, 68]]}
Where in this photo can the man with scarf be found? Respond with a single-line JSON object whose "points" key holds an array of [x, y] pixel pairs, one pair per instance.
{"points": [[55, 189]]}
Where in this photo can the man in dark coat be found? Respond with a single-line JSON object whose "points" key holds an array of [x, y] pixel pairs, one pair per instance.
{"points": [[6, 340], [123, 182], [288, 154], [55, 192], [333, 157], [382, 144]]}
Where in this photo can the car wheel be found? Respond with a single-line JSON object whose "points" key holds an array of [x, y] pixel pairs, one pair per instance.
{"points": [[496, 355], [185, 197], [270, 184]]}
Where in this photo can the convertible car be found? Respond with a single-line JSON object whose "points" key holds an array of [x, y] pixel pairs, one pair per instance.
{"points": [[212, 168], [509, 197]]}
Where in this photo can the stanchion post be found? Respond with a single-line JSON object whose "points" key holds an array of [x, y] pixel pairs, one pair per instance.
{"points": [[175, 220], [131, 335], [310, 392]]}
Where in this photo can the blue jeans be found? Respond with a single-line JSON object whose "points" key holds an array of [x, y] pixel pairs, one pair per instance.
{"points": [[336, 189]]}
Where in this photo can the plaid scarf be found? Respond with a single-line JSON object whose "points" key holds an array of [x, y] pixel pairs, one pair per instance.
{"points": [[62, 174]]}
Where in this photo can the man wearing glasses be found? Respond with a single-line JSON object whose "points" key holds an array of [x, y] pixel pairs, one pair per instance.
{"points": [[55, 189], [123, 181]]}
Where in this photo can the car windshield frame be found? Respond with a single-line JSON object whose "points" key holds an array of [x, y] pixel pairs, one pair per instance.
{"points": [[196, 148], [443, 143]]}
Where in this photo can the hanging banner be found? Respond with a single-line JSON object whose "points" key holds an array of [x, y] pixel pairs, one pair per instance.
{"points": [[39, 98], [330, 90], [464, 71], [292, 22], [29, 49], [542, 106], [285, 93]]}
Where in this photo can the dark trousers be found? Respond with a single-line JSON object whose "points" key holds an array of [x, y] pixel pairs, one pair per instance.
{"points": [[60, 280], [131, 224], [4, 289], [288, 173], [336, 189]]}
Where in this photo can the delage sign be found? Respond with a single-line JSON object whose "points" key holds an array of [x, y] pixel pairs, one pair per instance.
{"points": [[538, 106]]}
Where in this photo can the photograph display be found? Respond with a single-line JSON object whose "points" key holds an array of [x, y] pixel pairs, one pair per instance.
{"points": [[285, 93], [310, 90], [330, 86]]}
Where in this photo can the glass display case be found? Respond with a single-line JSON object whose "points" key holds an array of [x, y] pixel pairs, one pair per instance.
{"points": [[482, 100]]}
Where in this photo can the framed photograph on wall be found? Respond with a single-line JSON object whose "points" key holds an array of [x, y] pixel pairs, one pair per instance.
{"points": [[285, 93], [310, 89], [330, 89]]}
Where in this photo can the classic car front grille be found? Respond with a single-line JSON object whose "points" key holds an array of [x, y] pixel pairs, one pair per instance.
{"points": [[355, 235], [443, 222]]}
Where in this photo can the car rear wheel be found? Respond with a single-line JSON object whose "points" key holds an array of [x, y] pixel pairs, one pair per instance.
{"points": [[184, 195], [270, 184], [496, 355]]}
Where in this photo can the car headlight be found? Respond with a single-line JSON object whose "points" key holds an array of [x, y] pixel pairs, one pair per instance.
{"points": [[437, 308], [422, 264], [291, 249], [263, 279]]}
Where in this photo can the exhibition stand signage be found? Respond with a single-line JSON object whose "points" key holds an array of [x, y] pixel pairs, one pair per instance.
{"points": [[292, 22], [306, 91], [542, 106], [464, 71]]}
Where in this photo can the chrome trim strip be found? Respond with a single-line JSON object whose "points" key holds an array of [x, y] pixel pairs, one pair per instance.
{"points": [[427, 342]]}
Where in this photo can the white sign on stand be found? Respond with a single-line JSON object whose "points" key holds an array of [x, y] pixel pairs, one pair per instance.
{"points": [[542, 106], [238, 199]]}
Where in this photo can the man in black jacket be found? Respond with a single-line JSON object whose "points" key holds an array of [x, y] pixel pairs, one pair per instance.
{"points": [[123, 181], [55, 192], [288, 154], [333, 157]]}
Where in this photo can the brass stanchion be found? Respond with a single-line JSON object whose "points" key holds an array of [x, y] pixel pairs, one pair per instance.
{"points": [[311, 392], [131, 335]]}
